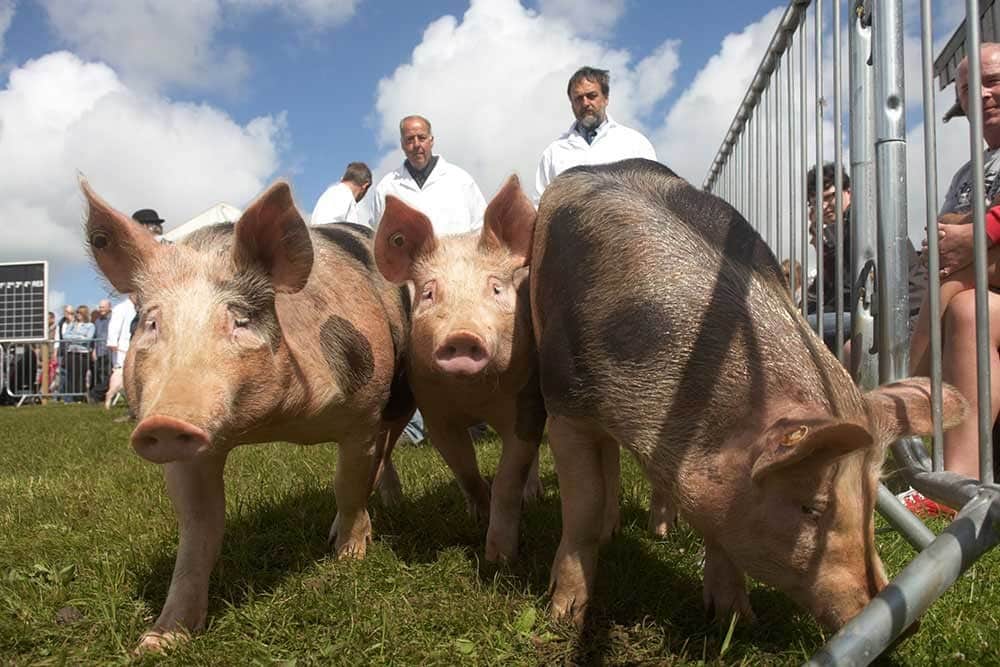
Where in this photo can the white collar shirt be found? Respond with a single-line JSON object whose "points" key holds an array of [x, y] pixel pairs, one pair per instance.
{"points": [[450, 197], [336, 204], [613, 142]]}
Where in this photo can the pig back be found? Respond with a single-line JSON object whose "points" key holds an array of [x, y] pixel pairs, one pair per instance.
{"points": [[660, 312]]}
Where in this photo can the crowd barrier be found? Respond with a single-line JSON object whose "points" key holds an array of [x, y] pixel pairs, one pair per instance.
{"points": [[760, 169], [62, 370]]}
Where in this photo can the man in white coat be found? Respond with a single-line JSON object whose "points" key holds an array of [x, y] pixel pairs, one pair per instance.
{"points": [[440, 190], [594, 137], [339, 203]]}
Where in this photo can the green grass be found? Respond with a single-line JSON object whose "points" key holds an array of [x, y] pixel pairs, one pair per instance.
{"points": [[88, 538]]}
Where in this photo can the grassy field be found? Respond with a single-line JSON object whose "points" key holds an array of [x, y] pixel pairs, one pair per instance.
{"points": [[87, 545]]}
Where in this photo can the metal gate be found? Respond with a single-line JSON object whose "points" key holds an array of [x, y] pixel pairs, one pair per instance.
{"points": [[761, 168]]}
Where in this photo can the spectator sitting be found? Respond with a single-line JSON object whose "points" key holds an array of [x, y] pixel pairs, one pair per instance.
{"points": [[958, 359]]}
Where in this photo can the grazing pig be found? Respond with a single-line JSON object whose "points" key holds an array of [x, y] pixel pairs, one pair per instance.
{"points": [[471, 356], [663, 324], [251, 333]]}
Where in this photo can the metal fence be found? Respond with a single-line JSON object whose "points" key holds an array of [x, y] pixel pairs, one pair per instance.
{"points": [[761, 169], [64, 370]]}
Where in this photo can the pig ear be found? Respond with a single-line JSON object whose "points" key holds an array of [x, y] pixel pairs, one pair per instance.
{"points": [[509, 221], [119, 245], [904, 408], [791, 442], [403, 234], [272, 236]]}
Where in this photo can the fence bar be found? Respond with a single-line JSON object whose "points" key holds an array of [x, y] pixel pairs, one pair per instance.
{"points": [[983, 351], [801, 204], [973, 532], [790, 116], [838, 163], [818, 202], [863, 228], [890, 162], [930, 203]]}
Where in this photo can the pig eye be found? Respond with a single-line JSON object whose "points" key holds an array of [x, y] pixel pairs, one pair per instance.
{"points": [[241, 321], [496, 286]]}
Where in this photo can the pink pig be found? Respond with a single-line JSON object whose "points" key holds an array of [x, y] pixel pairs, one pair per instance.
{"points": [[261, 331], [471, 355]]}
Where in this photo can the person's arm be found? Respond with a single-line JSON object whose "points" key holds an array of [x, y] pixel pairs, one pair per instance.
{"points": [[477, 205], [646, 149], [542, 176]]}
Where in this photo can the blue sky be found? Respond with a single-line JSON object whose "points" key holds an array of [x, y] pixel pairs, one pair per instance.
{"points": [[178, 106]]}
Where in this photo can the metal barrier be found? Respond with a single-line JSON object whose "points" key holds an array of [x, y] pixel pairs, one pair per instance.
{"points": [[64, 370], [775, 107]]}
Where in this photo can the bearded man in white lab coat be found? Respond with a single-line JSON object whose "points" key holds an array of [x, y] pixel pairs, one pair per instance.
{"points": [[594, 137], [440, 190]]}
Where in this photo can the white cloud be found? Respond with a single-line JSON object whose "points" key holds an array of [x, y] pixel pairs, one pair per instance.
{"points": [[587, 17], [151, 43], [696, 124], [60, 115], [158, 43], [494, 87], [319, 13], [6, 16]]}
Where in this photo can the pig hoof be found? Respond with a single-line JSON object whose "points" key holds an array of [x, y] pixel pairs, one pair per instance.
{"points": [[158, 642], [566, 607], [350, 543]]}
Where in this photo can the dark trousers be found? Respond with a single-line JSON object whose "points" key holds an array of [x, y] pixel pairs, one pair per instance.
{"points": [[77, 364], [100, 374]]}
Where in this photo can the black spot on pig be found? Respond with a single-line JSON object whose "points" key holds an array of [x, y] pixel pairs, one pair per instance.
{"points": [[347, 241], [634, 332], [529, 422], [347, 352], [363, 230]]}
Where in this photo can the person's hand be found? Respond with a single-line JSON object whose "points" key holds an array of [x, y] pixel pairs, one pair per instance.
{"points": [[954, 246]]}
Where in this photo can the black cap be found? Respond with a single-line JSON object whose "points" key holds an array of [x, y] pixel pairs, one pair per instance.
{"points": [[147, 216]]}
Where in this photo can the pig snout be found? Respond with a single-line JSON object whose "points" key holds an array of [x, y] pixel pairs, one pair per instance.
{"points": [[844, 603], [162, 439], [462, 353]]}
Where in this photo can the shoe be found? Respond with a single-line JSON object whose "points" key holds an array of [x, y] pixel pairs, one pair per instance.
{"points": [[923, 506]]}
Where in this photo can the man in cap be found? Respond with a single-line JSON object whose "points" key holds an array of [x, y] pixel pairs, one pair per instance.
{"points": [[151, 220]]}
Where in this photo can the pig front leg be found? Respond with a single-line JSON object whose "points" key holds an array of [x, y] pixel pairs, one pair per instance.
{"points": [[351, 531], [196, 491], [579, 465], [725, 586], [662, 513], [516, 461], [455, 446]]}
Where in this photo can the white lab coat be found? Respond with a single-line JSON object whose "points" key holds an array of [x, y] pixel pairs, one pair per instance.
{"points": [[450, 198], [118, 329], [613, 142], [336, 204]]}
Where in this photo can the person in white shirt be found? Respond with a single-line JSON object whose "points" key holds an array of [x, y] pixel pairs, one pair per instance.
{"points": [[119, 336], [339, 203], [440, 190], [594, 137]]}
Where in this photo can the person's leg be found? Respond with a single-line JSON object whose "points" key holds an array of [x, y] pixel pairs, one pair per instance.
{"points": [[920, 340], [114, 386], [961, 444]]}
